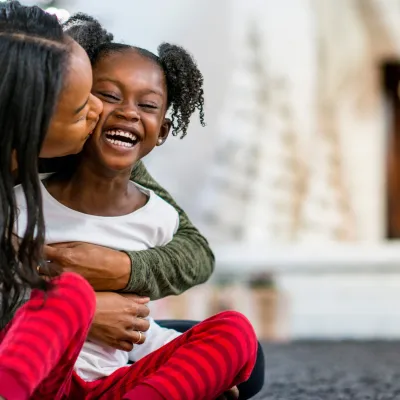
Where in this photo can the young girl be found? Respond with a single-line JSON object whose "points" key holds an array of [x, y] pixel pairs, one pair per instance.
{"points": [[94, 201]]}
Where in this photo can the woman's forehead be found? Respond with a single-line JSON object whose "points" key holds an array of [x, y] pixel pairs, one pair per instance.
{"points": [[78, 81]]}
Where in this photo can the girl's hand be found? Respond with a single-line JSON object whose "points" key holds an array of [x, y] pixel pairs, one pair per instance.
{"points": [[119, 319], [104, 268]]}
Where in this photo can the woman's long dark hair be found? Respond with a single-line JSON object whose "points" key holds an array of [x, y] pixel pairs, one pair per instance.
{"points": [[33, 59]]}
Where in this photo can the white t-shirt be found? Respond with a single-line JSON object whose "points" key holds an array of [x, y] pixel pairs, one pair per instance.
{"points": [[152, 225]]}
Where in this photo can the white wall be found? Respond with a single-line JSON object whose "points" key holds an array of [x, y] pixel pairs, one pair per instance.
{"points": [[211, 31], [330, 292]]}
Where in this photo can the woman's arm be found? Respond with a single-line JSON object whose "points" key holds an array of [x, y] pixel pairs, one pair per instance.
{"points": [[183, 263]]}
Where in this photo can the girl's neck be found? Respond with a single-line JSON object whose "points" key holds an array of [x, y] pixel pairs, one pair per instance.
{"points": [[96, 190]]}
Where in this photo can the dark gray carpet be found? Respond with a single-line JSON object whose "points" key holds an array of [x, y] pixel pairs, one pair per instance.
{"points": [[332, 371]]}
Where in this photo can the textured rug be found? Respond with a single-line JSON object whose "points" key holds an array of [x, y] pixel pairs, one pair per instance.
{"points": [[332, 371]]}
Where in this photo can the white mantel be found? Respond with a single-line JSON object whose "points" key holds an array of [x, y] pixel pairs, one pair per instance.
{"points": [[309, 259], [329, 291]]}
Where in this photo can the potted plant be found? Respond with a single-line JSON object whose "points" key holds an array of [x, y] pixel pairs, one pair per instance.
{"points": [[265, 300]]}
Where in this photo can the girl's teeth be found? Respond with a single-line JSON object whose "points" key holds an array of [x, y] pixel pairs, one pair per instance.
{"points": [[122, 133], [119, 143]]}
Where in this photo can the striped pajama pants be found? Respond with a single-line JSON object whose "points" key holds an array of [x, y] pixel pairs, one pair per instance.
{"points": [[38, 350]]}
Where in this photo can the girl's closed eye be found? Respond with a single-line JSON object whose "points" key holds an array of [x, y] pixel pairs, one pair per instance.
{"points": [[149, 105], [109, 96]]}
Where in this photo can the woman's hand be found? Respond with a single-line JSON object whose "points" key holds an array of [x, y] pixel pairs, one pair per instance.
{"points": [[119, 319], [103, 268]]}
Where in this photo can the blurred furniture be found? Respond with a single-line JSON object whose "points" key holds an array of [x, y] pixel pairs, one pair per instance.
{"points": [[391, 88]]}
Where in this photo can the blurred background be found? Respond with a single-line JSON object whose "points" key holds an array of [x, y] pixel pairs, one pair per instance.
{"points": [[295, 179]]}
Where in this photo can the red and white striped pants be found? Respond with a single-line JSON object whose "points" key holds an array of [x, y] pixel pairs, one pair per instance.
{"points": [[38, 350]]}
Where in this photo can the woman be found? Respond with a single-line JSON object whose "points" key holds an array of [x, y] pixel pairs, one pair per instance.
{"points": [[38, 66], [45, 82]]}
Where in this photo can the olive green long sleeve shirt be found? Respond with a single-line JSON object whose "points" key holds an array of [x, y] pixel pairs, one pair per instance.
{"points": [[184, 262]]}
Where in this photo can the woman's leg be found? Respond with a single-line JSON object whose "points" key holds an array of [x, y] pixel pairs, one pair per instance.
{"points": [[247, 389], [39, 347], [205, 361]]}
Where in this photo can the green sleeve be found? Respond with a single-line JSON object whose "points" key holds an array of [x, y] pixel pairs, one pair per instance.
{"points": [[184, 262]]}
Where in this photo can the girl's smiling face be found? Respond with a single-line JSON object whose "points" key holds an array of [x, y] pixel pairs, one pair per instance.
{"points": [[133, 90]]}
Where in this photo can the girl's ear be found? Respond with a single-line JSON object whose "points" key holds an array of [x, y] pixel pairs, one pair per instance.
{"points": [[164, 131]]}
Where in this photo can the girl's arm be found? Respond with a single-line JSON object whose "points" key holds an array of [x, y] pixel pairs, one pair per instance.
{"points": [[184, 262]]}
